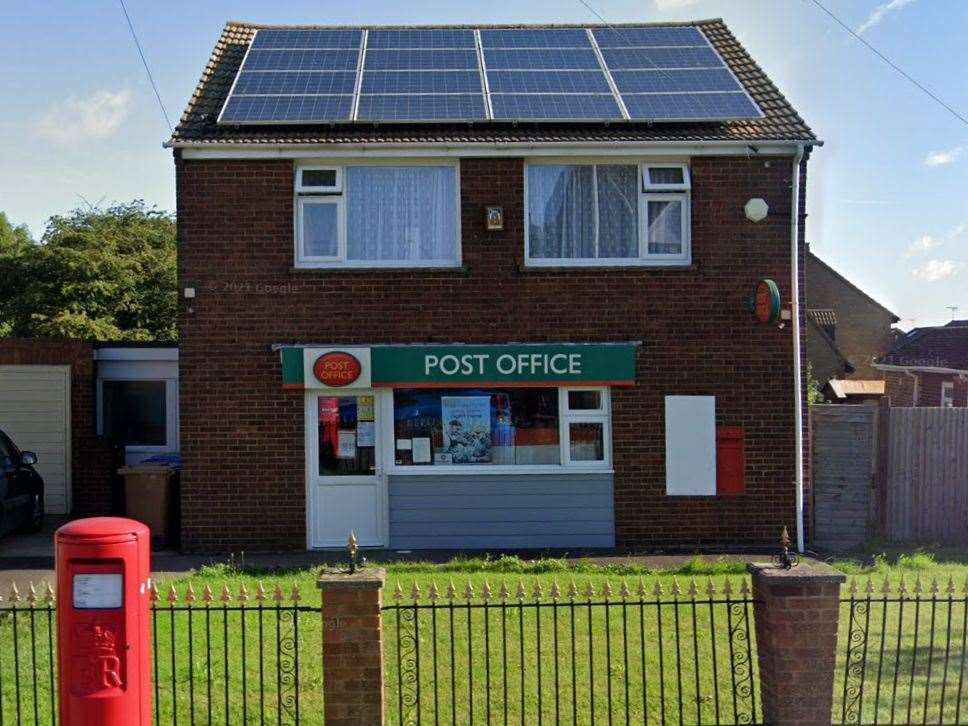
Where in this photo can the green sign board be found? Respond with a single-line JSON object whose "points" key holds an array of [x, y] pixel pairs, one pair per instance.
{"points": [[459, 365], [448, 365]]}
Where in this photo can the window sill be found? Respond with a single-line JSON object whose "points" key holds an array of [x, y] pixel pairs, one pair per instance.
{"points": [[459, 269], [620, 266], [496, 470]]}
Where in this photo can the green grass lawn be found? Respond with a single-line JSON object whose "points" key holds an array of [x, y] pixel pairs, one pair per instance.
{"points": [[571, 668]]}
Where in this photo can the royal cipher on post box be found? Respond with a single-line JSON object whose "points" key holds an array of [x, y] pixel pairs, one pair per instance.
{"points": [[103, 621]]}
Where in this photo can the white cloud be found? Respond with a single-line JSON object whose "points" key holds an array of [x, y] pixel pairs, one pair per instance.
{"points": [[922, 244], [940, 158], [957, 230], [76, 119], [879, 13], [934, 270]]}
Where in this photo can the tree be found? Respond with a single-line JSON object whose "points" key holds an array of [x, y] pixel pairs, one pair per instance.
{"points": [[102, 274], [15, 242]]}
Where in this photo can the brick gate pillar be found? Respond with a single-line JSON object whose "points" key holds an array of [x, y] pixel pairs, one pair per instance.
{"points": [[352, 647], [796, 613]]}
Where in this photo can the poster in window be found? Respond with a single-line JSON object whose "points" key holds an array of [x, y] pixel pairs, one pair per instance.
{"points": [[421, 450], [467, 428], [346, 448], [364, 408], [365, 434]]}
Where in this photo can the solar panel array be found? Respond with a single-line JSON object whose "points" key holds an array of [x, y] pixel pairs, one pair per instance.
{"points": [[437, 75]]}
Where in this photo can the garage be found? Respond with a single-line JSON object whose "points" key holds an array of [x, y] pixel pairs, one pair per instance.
{"points": [[35, 411]]}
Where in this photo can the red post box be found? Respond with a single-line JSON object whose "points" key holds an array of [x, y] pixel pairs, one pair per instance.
{"points": [[103, 621]]}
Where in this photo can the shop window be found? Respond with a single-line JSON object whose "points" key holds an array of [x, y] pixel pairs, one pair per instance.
{"points": [[377, 216], [134, 413], [347, 445], [607, 214], [498, 426]]}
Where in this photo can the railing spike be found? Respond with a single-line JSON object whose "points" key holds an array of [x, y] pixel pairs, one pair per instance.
{"points": [[295, 596], [243, 594], [537, 592], [172, 594], [277, 595], [853, 587], [469, 591], [434, 592], [153, 591], [555, 591], [902, 587], [590, 590], [415, 592], [965, 588], [260, 592], [31, 593], [451, 590], [486, 592], [398, 592], [728, 588], [607, 590], [693, 589], [190, 594], [918, 586], [207, 596], [744, 587], [870, 586], [624, 591], [657, 590], [935, 588], [14, 593], [950, 589], [676, 590], [640, 589], [710, 587], [504, 593], [886, 589], [521, 593], [49, 594], [572, 590], [226, 595]]}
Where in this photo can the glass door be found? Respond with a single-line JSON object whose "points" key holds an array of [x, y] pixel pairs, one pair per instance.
{"points": [[345, 471]]}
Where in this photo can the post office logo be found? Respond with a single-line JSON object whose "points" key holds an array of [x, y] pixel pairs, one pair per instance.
{"points": [[337, 369]]}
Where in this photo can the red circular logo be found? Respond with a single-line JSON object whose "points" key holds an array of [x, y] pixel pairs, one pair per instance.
{"points": [[337, 369]]}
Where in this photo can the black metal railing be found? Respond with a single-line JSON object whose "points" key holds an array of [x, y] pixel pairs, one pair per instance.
{"points": [[635, 656], [902, 655], [28, 656], [217, 658]]}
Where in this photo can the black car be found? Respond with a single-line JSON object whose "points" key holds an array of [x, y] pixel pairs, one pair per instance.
{"points": [[21, 489]]}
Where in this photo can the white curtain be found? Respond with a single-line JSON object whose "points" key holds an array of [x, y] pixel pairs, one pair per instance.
{"points": [[665, 227], [401, 213], [618, 211], [561, 212]]}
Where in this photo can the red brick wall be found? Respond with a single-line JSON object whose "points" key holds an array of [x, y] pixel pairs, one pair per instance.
{"points": [[900, 389], [92, 461], [242, 434]]}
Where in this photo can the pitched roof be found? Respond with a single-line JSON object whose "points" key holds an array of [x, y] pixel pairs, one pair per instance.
{"points": [[832, 271], [198, 123], [957, 324], [941, 347]]}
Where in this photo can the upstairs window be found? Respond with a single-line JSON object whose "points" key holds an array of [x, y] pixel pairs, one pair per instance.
{"points": [[377, 216], [608, 214]]}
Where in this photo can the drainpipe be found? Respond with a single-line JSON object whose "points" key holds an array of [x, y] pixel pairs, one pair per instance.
{"points": [[795, 315]]}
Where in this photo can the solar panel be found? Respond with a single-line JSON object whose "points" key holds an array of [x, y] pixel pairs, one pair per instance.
{"points": [[656, 73]]}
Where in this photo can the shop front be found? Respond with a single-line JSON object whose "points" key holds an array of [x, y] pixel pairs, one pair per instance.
{"points": [[460, 446]]}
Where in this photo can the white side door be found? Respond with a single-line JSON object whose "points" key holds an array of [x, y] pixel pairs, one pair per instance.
{"points": [[346, 479]]}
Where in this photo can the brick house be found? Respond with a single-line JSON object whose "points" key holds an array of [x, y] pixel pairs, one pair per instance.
{"points": [[928, 367], [497, 332], [847, 331]]}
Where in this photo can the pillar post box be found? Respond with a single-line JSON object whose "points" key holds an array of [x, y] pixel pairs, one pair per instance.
{"points": [[103, 621]]}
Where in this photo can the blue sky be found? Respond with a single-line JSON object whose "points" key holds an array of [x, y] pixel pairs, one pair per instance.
{"points": [[887, 196]]}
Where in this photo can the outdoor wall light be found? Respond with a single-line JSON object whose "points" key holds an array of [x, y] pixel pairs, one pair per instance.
{"points": [[756, 209]]}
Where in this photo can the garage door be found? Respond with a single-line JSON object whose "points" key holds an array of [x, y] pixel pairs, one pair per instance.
{"points": [[35, 411]]}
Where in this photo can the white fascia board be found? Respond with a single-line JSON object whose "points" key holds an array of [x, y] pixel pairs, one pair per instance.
{"points": [[136, 353], [411, 150], [919, 369]]}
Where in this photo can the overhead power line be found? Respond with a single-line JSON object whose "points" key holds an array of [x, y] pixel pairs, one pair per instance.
{"points": [[144, 61], [892, 64]]}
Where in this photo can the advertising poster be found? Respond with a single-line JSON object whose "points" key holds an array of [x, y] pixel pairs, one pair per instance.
{"points": [[347, 444], [365, 434], [365, 408], [467, 428], [421, 451]]}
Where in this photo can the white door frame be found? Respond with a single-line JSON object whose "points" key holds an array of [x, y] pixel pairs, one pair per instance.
{"points": [[383, 401]]}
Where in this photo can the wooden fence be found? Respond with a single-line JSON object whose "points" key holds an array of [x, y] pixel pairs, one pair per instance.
{"points": [[900, 474]]}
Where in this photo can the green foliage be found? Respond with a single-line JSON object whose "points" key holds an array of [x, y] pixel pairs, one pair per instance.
{"points": [[103, 274], [814, 392]]}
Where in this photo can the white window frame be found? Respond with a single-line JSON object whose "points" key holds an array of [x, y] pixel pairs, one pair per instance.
{"points": [[171, 412], [565, 416], [947, 394], [646, 192], [337, 195]]}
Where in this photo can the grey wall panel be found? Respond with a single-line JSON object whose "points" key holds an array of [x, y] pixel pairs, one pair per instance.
{"points": [[501, 511]]}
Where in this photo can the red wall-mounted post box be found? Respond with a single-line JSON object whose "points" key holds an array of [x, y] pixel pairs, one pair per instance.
{"points": [[103, 620]]}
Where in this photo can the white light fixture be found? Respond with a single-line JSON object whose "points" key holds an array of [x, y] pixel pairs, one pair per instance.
{"points": [[756, 209], [189, 293]]}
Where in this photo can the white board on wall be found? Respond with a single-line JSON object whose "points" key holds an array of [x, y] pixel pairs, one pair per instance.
{"points": [[690, 423]]}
